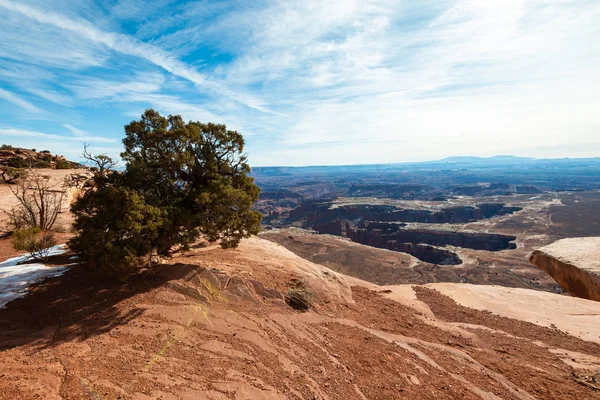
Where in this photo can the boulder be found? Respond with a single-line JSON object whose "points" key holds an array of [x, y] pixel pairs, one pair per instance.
{"points": [[574, 263]]}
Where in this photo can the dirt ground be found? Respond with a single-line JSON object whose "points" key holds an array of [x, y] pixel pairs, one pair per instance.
{"points": [[214, 324]]}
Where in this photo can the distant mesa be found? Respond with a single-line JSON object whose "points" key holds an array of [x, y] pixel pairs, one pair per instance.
{"points": [[574, 263]]}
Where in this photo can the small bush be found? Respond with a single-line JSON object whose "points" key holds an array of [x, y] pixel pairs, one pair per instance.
{"points": [[10, 175], [300, 296], [18, 162], [63, 164], [41, 164], [6, 147], [32, 240]]}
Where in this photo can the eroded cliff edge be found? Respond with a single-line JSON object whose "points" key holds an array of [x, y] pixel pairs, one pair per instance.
{"points": [[574, 263]]}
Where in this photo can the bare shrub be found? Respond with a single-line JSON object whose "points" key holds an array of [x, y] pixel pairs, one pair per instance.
{"points": [[40, 202], [32, 240], [101, 163], [17, 219], [78, 181], [300, 296]]}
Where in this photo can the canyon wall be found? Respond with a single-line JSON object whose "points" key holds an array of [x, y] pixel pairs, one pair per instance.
{"points": [[315, 213]]}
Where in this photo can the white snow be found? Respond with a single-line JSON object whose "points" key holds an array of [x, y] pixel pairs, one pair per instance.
{"points": [[15, 279]]}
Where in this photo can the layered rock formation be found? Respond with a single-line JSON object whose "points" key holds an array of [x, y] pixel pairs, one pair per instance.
{"points": [[318, 213], [574, 263], [380, 235]]}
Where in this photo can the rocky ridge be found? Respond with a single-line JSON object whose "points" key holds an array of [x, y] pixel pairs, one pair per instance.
{"points": [[15, 157]]}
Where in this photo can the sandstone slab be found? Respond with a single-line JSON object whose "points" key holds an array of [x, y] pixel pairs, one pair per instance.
{"points": [[577, 317], [574, 263]]}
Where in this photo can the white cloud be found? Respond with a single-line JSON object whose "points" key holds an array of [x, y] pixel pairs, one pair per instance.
{"points": [[126, 45], [97, 88], [78, 133], [478, 78], [144, 89], [49, 95], [79, 137], [13, 98]]}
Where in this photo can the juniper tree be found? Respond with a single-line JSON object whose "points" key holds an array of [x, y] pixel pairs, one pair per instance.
{"points": [[181, 181]]}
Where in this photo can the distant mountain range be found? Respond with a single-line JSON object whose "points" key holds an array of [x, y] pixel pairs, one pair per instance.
{"points": [[471, 161]]}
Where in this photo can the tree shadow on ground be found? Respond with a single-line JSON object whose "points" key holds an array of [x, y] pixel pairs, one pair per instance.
{"points": [[76, 306]]}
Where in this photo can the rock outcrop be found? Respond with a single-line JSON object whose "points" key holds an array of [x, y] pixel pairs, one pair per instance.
{"points": [[574, 263], [16, 157]]}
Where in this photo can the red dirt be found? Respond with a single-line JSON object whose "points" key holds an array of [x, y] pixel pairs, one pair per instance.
{"points": [[169, 335]]}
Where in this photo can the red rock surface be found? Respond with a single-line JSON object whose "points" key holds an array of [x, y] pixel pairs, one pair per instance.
{"points": [[188, 331]]}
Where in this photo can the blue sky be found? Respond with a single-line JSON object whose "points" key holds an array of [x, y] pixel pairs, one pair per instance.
{"points": [[308, 82]]}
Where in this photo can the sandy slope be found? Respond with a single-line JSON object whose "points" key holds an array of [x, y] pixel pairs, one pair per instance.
{"points": [[189, 331]]}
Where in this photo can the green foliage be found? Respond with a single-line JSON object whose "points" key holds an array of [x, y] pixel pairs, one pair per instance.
{"points": [[181, 180], [6, 147], [63, 164], [18, 162], [41, 164], [11, 175], [116, 228], [21, 162], [32, 240]]}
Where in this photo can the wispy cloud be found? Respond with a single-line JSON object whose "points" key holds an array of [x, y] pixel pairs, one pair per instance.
{"points": [[13, 98], [49, 95], [97, 88], [471, 77], [80, 136], [316, 81], [78, 133], [132, 47], [66, 145]]}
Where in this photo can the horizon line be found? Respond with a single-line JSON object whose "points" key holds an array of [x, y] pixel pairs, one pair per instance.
{"points": [[428, 161]]}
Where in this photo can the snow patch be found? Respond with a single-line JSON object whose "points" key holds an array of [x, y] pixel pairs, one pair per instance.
{"points": [[15, 278]]}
